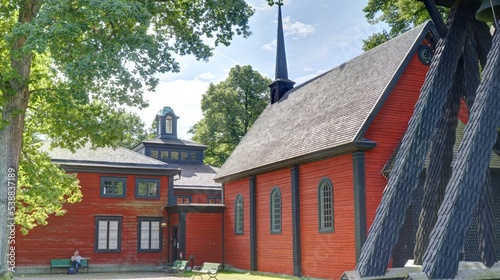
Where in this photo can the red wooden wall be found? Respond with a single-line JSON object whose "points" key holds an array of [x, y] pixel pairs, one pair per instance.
{"points": [[76, 229], [237, 246], [327, 255], [204, 237], [388, 129], [324, 255], [274, 246]]}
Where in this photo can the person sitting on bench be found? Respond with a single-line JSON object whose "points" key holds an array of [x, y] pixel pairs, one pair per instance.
{"points": [[76, 260]]}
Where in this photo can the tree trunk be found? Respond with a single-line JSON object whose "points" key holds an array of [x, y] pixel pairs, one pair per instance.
{"points": [[15, 101], [11, 138]]}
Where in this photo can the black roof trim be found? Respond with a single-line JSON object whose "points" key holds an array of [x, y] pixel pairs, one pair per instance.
{"points": [[114, 164], [118, 170]]}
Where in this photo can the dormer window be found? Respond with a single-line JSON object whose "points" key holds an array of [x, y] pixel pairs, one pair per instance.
{"points": [[168, 125]]}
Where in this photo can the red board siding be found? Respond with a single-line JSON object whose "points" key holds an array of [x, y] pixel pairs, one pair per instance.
{"points": [[75, 230], [324, 255], [327, 255], [237, 246], [463, 114], [274, 246], [204, 237], [200, 198], [388, 129]]}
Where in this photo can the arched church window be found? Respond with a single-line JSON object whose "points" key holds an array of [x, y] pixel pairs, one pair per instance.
{"points": [[276, 210], [325, 205], [238, 215]]}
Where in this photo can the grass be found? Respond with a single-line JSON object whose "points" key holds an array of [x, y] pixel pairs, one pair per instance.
{"points": [[232, 275]]}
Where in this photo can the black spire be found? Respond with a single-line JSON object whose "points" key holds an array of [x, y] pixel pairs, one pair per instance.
{"points": [[281, 82], [281, 68]]}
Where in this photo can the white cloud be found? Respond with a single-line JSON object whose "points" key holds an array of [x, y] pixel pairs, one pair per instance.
{"points": [[271, 46], [206, 76], [183, 96], [296, 27]]}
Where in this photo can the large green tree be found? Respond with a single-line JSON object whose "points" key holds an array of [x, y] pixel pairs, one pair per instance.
{"points": [[67, 66], [399, 15], [136, 131], [229, 109]]}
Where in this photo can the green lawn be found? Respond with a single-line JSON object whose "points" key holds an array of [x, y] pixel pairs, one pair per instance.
{"points": [[230, 275]]}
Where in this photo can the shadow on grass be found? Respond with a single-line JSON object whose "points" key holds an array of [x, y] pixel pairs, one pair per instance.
{"points": [[234, 275]]}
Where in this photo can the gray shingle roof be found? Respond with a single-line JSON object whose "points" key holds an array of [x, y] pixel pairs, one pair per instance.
{"points": [[119, 158], [326, 113], [197, 176]]}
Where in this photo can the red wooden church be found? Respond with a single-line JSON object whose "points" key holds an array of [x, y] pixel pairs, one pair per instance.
{"points": [[140, 210], [302, 187]]}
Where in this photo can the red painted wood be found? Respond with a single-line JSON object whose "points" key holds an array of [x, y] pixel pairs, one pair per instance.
{"points": [[237, 246], [199, 198], [324, 255], [388, 129], [274, 246], [204, 237], [463, 115], [75, 230], [196, 197], [327, 255]]}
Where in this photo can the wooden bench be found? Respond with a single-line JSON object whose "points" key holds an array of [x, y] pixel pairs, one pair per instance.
{"points": [[208, 268], [66, 263], [177, 267]]}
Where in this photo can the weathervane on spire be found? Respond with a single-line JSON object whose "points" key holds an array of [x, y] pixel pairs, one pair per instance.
{"points": [[272, 2]]}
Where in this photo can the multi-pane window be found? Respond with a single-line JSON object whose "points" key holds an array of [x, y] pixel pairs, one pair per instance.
{"points": [[238, 215], [164, 154], [147, 188], [168, 124], [108, 234], [184, 155], [149, 235], [154, 153], [174, 155], [325, 203], [113, 187], [194, 156], [276, 210], [214, 200], [183, 200]]}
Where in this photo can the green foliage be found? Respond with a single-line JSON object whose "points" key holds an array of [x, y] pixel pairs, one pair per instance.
{"points": [[229, 109], [399, 15], [77, 62], [135, 131], [272, 2], [43, 187]]}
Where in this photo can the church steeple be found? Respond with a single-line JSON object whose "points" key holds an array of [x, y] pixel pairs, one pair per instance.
{"points": [[281, 82]]}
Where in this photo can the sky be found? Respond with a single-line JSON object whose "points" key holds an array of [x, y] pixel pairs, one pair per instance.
{"points": [[319, 35]]}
